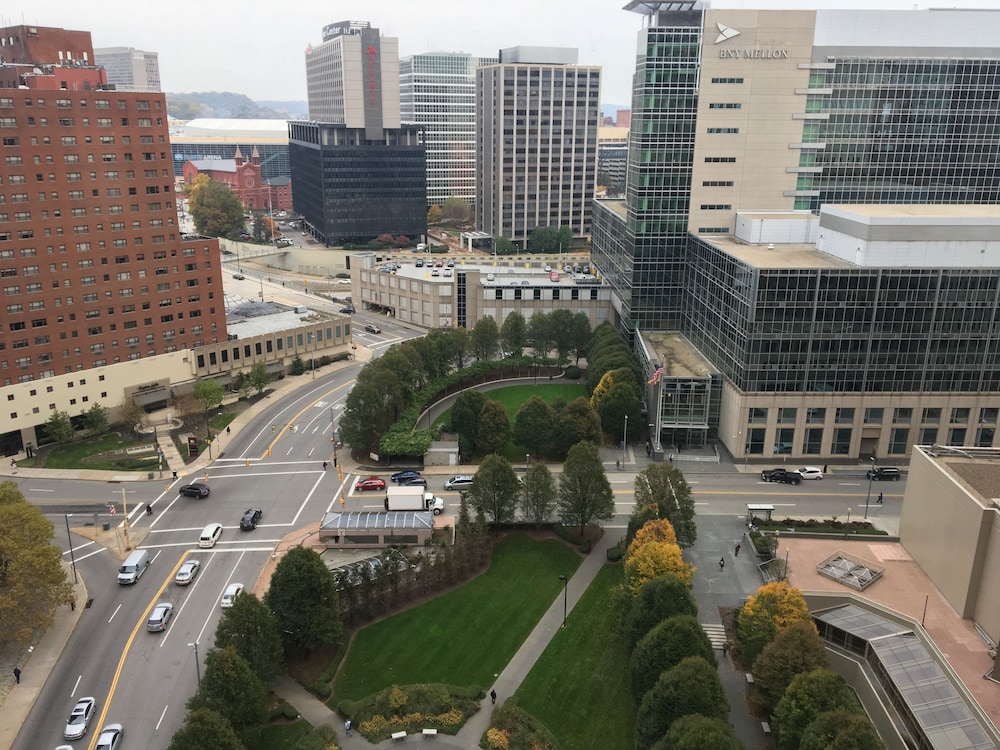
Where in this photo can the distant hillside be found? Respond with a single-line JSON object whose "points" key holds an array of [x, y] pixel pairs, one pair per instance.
{"points": [[296, 110], [188, 106]]}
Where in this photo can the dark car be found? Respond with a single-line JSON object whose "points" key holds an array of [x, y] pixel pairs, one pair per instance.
{"points": [[372, 328], [239, 276], [781, 475], [347, 310], [251, 518], [884, 473], [198, 489], [402, 476], [413, 482]]}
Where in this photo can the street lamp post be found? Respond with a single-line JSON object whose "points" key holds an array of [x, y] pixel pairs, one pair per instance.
{"points": [[72, 557], [871, 476], [312, 340], [565, 581], [624, 440], [527, 461], [197, 662]]}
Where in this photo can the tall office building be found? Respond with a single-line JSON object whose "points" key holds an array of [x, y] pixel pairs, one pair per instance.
{"points": [[779, 139], [93, 265], [536, 142], [438, 90], [130, 69], [357, 172]]}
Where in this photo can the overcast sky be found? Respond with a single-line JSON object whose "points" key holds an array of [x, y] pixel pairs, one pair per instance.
{"points": [[257, 48]]}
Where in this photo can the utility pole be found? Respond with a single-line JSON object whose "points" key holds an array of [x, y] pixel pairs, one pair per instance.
{"points": [[128, 542]]}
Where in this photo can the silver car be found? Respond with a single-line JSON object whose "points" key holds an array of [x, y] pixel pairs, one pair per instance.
{"points": [[79, 718], [110, 737], [162, 613]]}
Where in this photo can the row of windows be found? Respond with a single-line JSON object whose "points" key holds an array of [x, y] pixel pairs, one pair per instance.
{"points": [[874, 415], [812, 441], [269, 346], [63, 103]]}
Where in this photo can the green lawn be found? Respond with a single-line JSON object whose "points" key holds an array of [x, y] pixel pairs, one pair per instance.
{"points": [[515, 395], [299, 735], [578, 688], [467, 636], [81, 455]]}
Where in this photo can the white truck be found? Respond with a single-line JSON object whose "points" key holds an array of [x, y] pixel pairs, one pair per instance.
{"points": [[413, 498]]}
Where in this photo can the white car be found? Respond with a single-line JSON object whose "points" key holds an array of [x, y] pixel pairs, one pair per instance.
{"points": [[229, 595], [79, 719], [187, 572], [210, 535], [110, 737], [810, 472]]}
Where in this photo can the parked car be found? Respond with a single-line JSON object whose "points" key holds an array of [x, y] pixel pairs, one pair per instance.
{"points": [[251, 518], [884, 473], [450, 263], [400, 476], [110, 737], [371, 483], [810, 472], [160, 616], [435, 272], [372, 328], [413, 482], [419, 263], [198, 489], [780, 475], [491, 277], [448, 272], [349, 310], [462, 482], [554, 276], [229, 595], [239, 276], [79, 718], [187, 572]]}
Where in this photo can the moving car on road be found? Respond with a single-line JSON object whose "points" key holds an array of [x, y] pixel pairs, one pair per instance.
{"points": [[780, 475], [229, 595], [372, 328], [79, 718], [110, 737], [187, 572], [251, 518], [884, 473], [371, 483], [161, 615], [461, 483], [210, 535], [413, 482], [198, 489]]}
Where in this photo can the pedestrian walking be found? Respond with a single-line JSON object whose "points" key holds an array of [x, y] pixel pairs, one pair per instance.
{"points": [[493, 696], [335, 462], [347, 727], [736, 552], [722, 563], [149, 510], [671, 457], [17, 675], [324, 466], [824, 468], [13, 466], [880, 498], [618, 464], [229, 430], [649, 451]]}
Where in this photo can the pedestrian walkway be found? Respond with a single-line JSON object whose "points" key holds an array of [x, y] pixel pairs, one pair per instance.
{"points": [[317, 713]]}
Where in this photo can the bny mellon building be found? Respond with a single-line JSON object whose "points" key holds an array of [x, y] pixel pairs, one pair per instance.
{"points": [[810, 213]]}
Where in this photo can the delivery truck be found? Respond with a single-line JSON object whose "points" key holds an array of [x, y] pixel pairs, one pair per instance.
{"points": [[413, 498]]}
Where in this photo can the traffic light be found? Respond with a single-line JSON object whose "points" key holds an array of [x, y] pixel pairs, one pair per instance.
{"points": [[273, 428]]}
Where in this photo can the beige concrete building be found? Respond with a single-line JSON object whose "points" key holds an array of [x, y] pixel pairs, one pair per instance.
{"points": [[439, 297], [951, 526]]}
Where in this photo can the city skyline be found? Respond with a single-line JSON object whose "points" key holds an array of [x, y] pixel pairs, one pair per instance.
{"points": [[203, 47]]}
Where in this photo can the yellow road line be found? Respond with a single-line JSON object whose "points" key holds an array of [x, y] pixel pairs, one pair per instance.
{"points": [[128, 645], [306, 408]]}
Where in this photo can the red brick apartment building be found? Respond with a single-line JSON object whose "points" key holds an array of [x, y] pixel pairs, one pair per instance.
{"points": [[93, 270]]}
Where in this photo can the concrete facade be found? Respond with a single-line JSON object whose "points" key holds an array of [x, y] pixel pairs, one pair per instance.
{"points": [[130, 69]]}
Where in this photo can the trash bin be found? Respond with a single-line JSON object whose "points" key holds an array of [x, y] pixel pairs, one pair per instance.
{"points": [[107, 526], [150, 475]]}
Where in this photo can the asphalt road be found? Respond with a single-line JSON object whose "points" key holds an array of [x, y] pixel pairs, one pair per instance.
{"points": [[143, 679]]}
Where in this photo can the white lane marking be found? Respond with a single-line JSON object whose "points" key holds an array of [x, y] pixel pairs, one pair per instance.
{"points": [[114, 613], [160, 721], [34, 489], [75, 686]]}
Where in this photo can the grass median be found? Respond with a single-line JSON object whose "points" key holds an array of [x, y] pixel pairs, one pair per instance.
{"points": [[467, 636], [578, 688]]}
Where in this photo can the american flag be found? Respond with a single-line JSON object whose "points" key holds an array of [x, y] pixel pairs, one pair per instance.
{"points": [[657, 375]]}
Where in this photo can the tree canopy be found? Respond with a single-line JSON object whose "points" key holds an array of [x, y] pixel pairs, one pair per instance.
{"points": [[796, 649], [514, 333], [32, 580], [303, 599], [651, 560], [809, 695], [665, 488], [841, 730], [533, 425], [248, 627], [216, 211], [231, 689], [584, 490], [494, 427], [485, 338], [205, 728], [695, 732], [664, 647], [538, 494], [662, 597], [691, 687], [496, 489], [770, 610]]}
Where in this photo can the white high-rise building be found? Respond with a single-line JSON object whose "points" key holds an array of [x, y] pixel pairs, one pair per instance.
{"points": [[438, 90], [536, 142], [130, 69]]}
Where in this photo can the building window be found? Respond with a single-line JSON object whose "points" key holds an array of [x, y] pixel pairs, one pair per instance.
{"points": [[757, 415], [873, 415], [787, 415], [898, 438], [845, 415], [841, 441], [725, 105], [988, 415], [902, 416], [755, 441], [815, 415], [984, 437], [931, 416], [813, 441], [960, 415], [956, 436], [724, 131], [928, 435]]}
